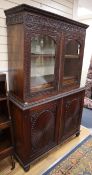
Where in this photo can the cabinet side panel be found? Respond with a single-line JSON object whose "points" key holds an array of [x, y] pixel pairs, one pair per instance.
{"points": [[15, 57], [22, 134]]}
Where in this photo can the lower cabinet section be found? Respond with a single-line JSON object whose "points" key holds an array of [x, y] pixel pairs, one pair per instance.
{"points": [[39, 128]]}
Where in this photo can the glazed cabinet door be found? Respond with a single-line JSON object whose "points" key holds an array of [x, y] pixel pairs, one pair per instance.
{"points": [[71, 107], [42, 51], [42, 63], [43, 128], [72, 61]]}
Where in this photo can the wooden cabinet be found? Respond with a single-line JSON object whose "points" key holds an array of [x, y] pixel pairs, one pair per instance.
{"points": [[6, 141], [45, 54]]}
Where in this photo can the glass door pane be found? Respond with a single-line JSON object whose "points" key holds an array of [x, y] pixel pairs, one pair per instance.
{"points": [[42, 63], [71, 62]]}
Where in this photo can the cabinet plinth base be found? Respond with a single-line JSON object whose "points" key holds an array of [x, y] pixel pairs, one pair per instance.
{"points": [[25, 166]]}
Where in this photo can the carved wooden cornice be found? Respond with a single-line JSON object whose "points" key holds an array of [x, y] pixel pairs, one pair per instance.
{"points": [[18, 14]]}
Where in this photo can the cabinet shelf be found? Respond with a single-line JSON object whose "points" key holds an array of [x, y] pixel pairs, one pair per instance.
{"points": [[4, 121], [8, 150], [43, 55], [72, 56], [69, 79], [42, 82], [3, 97], [4, 145], [5, 148]]}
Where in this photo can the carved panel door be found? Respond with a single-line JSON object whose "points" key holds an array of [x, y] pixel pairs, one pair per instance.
{"points": [[71, 114], [43, 128]]}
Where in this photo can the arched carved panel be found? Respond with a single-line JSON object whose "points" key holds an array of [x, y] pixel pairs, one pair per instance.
{"points": [[71, 113], [43, 128]]}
